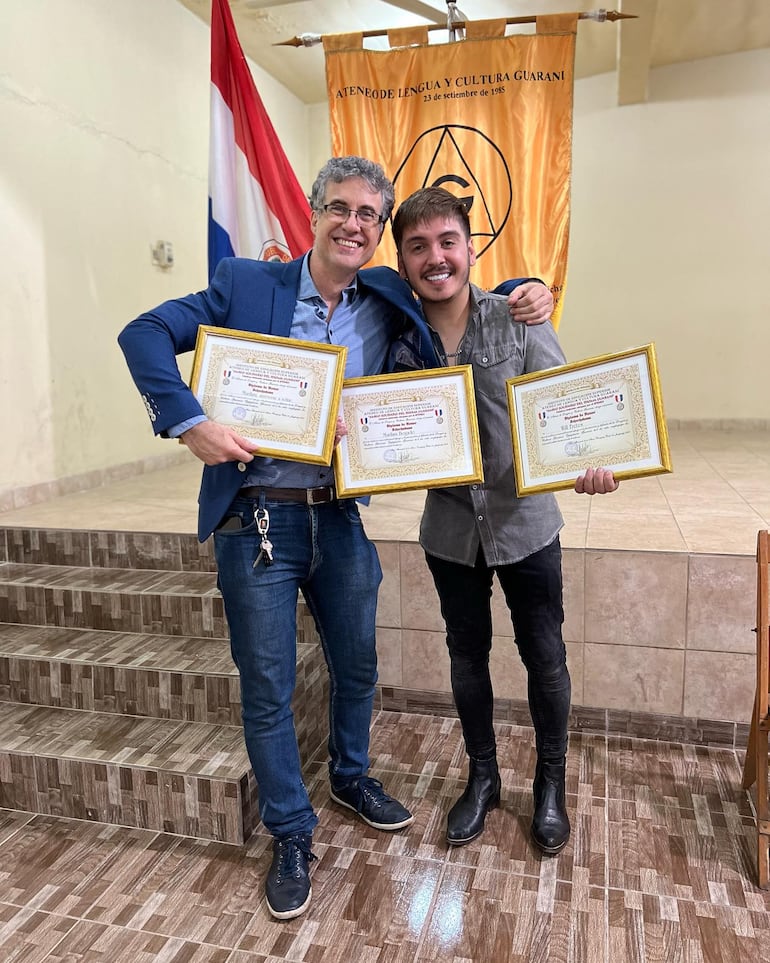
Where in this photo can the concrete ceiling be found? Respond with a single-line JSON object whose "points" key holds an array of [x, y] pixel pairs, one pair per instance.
{"points": [[666, 32]]}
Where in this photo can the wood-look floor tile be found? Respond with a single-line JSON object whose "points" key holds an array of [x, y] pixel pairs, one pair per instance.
{"points": [[185, 583], [367, 906], [202, 749], [40, 730], [587, 764], [422, 795], [659, 869], [480, 914], [63, 866], [409, 742], [242, 956], [433, 746], [505, 844], [675, 774], [48, 546], [658, 929], [193, 890], [91, 579], [28, 935], [681, 853], [11, 822], [135, 550], [95, 943]]}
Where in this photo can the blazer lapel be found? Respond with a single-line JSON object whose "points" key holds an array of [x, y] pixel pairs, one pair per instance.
{"points": [[284, 300]]}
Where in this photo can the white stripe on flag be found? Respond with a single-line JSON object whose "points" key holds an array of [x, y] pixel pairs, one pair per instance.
{"points": [[238, 203]]}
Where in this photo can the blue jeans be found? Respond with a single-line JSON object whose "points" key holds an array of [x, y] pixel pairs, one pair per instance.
{"points": [[324, 551], [533, 593]]}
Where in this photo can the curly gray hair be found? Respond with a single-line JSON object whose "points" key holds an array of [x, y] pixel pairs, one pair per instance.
{"points": [[339, 169]]}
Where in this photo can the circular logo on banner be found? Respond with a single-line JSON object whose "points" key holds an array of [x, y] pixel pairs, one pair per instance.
{"points": [[467, 163], [273, 250]]}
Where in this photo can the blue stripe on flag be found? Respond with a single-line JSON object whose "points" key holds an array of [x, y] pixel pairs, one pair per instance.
{"points": [[219, 243]]}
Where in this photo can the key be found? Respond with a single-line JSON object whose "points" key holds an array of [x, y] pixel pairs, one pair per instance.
{"points": [[265, 553]]}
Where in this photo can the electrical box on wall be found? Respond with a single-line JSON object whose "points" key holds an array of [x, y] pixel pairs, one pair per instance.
{"points": [[163, 254]]}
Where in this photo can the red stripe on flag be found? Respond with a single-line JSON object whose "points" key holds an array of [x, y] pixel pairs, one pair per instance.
{"points": [[254, 133]]}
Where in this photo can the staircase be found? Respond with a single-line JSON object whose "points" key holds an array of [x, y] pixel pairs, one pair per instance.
{"points": [[119, 702]]}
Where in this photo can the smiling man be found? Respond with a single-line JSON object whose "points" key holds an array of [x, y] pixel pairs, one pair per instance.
{"points": [[318, 541], [471, 534]]}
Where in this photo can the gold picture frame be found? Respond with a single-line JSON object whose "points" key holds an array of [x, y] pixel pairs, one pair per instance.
{"points": [[409, 430], [281, 393], [604, 412]]}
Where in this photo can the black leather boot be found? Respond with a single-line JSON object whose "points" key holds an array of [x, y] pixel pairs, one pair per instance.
{"points": [[550, 823], [466, 818]]}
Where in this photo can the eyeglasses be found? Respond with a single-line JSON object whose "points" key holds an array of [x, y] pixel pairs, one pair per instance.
{"points": [[341, 212]]}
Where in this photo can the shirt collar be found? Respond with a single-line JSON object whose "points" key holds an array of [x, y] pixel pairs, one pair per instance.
{"points": [[474, 311], [308, 290], [475, 308]]}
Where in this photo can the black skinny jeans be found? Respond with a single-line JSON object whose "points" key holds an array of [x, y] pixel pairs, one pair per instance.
{"points": [[533, 593]]}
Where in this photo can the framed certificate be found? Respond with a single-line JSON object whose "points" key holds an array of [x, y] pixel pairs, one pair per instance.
{"points": [[604, 412], [280, 393], [407, 431]]}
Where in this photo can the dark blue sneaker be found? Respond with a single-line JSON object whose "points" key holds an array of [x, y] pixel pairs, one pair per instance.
{"points": [[287, 886], [367, 798]]}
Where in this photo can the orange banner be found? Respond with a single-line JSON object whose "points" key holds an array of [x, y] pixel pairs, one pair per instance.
{"points": [[488, 119]]}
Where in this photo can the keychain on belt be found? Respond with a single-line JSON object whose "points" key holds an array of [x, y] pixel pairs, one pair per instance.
{"points": [[262, 518]]}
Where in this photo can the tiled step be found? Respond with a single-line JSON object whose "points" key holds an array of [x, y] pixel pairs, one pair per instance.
{"points": [[135, 550], [167, 677], [153, 771], [117, 600], [119, 701], [163, 677], [139, 601], [177, 777]]}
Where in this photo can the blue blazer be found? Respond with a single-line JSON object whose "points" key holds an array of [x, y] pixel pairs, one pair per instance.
{"points": [[247, 295]]}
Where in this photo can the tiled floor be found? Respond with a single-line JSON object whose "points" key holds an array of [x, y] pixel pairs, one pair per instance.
{"points": [[659, 868], [715, 500]]}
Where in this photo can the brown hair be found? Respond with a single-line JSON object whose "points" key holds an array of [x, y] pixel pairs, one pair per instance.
{"points": [[423, 206]]}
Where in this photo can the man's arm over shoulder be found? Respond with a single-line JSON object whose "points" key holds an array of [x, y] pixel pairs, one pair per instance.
{"points": [[529, 299], [388, 284]]}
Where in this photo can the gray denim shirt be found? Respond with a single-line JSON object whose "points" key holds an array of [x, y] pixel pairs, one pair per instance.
{"points": [[457, 520]]}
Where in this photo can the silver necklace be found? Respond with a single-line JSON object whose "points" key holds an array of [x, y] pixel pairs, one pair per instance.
{"points": [[460, 347]]}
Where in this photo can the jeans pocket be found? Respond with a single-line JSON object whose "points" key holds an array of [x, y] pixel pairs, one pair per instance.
{"points": [[237, 521], [350, 507]]}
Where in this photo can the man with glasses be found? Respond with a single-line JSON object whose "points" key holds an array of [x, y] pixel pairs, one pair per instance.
{"points": [[318, 541]]}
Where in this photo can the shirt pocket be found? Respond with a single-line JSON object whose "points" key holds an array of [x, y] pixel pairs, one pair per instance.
{"points": [[494, 364]]}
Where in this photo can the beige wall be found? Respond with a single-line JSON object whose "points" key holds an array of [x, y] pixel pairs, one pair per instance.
{"points": [[669, 231], [104, 120], [104, 114]]}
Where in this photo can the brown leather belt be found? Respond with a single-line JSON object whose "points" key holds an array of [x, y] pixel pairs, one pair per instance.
{"points": [[306, 496]]}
